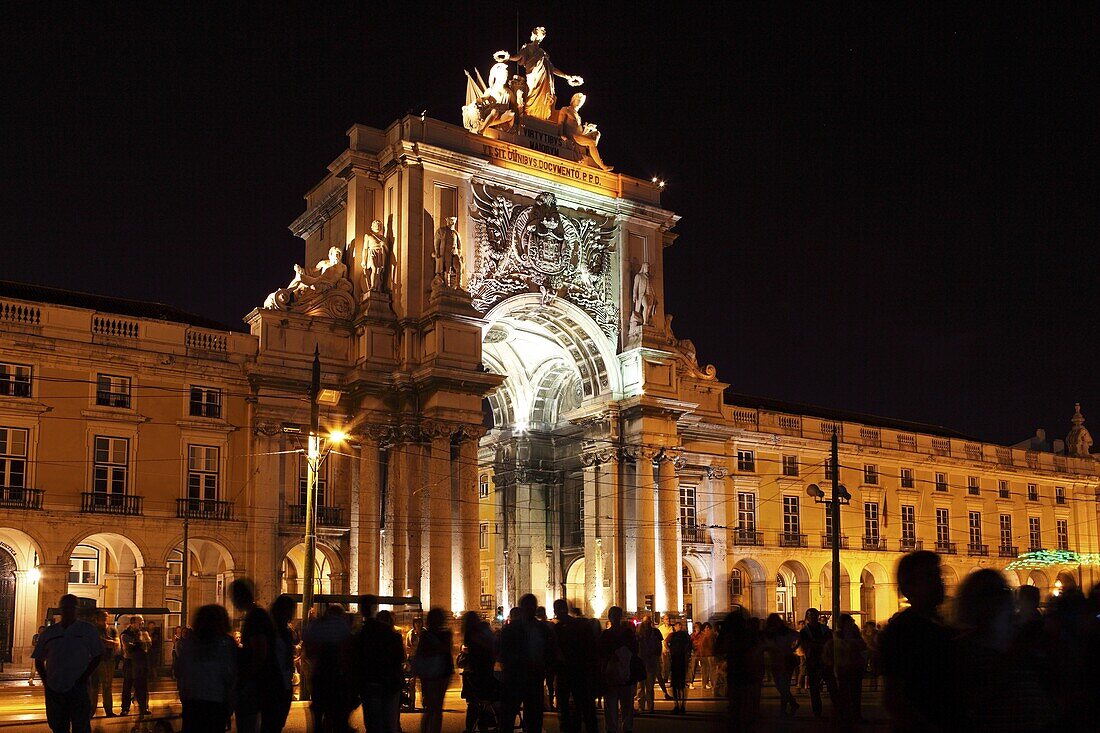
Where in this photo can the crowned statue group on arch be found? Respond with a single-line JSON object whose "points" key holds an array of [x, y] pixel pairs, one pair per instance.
{"points": [[507, 100]]}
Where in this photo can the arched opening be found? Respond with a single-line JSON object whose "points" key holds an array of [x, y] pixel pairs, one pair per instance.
{"points": [[7, 604], [24, 551], [748, 586], [209, 570], [574, 584], [1063, 582], [104, 567], [326, 571], [796, 590], [826, 582]]}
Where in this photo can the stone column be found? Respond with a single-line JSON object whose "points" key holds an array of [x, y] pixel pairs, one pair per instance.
{"points": [[151, 582], [403, 477], [593, 545], [668, 525], [646, 527], [469, 522], [365, 541], [439, 520], [52, 584]]}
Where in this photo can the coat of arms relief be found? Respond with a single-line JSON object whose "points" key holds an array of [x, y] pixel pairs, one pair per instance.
{"points": [[524, 248]]}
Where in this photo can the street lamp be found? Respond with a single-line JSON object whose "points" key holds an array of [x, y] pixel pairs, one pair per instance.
{"points": [[839, 496]]}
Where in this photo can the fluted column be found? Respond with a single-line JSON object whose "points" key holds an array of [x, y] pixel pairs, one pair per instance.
{"points": [[646, 528], [366, 540], [439, 519], [469, 521], [593, 543], [668, 524]]}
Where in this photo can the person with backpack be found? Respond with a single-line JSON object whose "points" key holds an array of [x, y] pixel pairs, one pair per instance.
{"points": [[618, 653]]}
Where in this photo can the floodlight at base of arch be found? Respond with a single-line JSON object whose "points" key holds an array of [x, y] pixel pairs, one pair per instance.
{"points": [[34, 575]]}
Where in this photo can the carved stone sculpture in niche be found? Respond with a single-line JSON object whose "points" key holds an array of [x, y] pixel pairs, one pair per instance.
{"points": [[584, 135], [643, 297], [321, 289], [377, 251], [540, 97], [449, 267], [523, 248]]}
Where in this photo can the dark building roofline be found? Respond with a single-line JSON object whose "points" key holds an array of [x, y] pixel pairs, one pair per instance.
{"points": [[107, 304], [795, 408]]}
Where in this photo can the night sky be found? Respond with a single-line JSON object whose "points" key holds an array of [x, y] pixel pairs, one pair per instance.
{"points": [[883, 210]]}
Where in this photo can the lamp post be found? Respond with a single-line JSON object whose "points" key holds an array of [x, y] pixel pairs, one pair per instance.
{"points": [[839, 496]]}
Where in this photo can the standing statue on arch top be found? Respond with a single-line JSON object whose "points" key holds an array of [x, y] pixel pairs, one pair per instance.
{"points": [[377, 249], [448, 255], [540, 98], [643, 297]]}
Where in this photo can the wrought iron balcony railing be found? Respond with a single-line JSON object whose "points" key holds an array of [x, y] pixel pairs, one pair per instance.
{"points": [[977, 550], [99, 502], [827, 541], [327, 516], [1008, 551], [947, 548], [748, 537], [18, 497], [792, 539], [106, 398], [874, 543], [910, 544], [204, 509], [695, 534]]}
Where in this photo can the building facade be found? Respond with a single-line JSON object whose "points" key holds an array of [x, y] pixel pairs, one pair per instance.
{"points": [[488, 309]]}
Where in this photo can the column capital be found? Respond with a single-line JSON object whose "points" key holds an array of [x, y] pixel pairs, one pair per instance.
{"points": [[595, 452]]}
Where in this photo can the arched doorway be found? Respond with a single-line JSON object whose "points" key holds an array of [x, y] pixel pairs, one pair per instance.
{"points": [[7, 604], [796, 590], [826, 582], [574, 584], [104, 567], [747, 587]]}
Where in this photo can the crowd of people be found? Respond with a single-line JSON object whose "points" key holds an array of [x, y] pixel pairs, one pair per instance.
{"points": [[1002, 663]]}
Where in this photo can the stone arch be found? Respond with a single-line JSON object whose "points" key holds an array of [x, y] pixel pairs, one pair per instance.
{"points": [[702, 591], [120, 580], [796, 579], [825, 582], [877, 596], [574, 584], [329, 568], [24, 547], [210, 569], [1063, 582], [754, 582], [1011, 577]]}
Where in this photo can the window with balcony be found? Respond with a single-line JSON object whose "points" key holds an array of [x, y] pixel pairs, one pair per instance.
{"points": [[746, 511], [483, 536], [1061, 530], [111, 466], [1059, 494], [205, 401], [483, 486], [975, 525], [828, 522], [687, 507], [13, 460], [906, 478], [202, 472], [908, 524], [941, 481], [790, 465], [1002, 490], [746, 461], [870, 474], [303, 481], [15, 380], [791, 520], [112, 390], [1034, 533], [973, 486], [943, 527], [84, 566], [1033, 492], [870, 520]]}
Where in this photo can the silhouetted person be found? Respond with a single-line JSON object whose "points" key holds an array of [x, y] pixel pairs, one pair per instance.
{"points": [[650, 645], [435, 667], [812, 639], [135, 665], [744, 650], [916, 651], [66, 655], [619, 660], [257, 672], [526, 650], [206, 671], [870, 639], [156, 648], [391, 700], [478, 683], [540, 614], [847, 654], [277, 706], [378, 660], [679, 653], [780, 641], [999, 692], [102, 679], [576, 671], [327, 643]]}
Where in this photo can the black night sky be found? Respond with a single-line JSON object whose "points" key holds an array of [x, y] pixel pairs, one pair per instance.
{"points": [[884, 210]]}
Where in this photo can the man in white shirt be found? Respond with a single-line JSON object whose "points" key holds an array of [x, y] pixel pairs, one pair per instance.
{"points": [[66, 655]]}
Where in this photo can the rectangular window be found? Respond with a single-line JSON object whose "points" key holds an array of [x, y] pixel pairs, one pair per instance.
{"points": [[112, 391], [484, 581], [174, 578], [908, 523], [15, 380], [746, 461], [906, 478], [791, 523], [1059, 494], [202, 472], [870, 520], [1002, 490], [111, 466], [941, 481], [483, 536], [1033, 492], [973, 487], [790, 465], [828, 469], [1006, 531], [943, 527], [483, 486], [870, 474], [205, 401], [975, 524], [303, 480], [687, 506], [13, 458], [1061, 528], [828, 523], [746, 511], [1034, 534]]}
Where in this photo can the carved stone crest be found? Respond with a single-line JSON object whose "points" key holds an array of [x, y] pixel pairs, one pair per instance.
{"points": [[537, 248]]}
